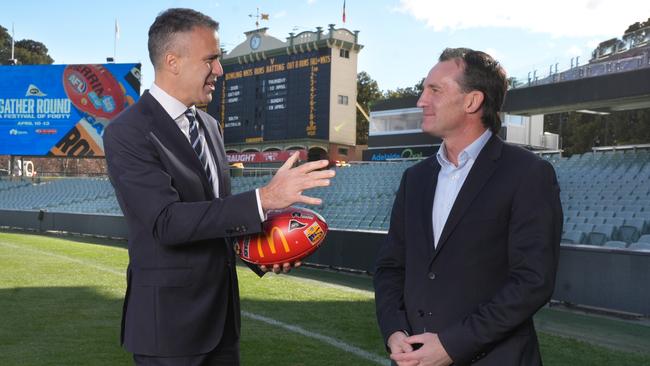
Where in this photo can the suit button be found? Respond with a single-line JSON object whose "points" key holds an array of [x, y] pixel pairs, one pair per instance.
{"points": [[432, 276]]}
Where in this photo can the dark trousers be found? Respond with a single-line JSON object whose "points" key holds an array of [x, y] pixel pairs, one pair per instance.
{"points": [[220, 356]]}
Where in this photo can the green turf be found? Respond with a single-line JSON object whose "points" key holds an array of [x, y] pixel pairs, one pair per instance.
{"points": [[60, 304]]}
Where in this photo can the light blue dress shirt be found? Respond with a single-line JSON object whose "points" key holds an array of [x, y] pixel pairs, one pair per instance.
{"points": [[451, 179]]}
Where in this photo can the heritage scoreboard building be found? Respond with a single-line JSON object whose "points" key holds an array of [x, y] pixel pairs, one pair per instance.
{"points": [[294, 95]]}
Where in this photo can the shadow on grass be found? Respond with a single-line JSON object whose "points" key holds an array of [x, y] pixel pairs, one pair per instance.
{"points": [[60, 326]]}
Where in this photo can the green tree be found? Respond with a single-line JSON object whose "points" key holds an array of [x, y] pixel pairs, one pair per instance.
{"points": [[26, 51], [579, 132], [411, 91], [5, 45], [367, 93]]}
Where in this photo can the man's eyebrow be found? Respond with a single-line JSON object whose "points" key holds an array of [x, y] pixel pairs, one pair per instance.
{"points": [[213, 56]]}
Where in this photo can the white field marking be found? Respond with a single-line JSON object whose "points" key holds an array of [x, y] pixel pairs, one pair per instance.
{"points": [[66, 258], [292, 328], [370, 294], [325, 339]]}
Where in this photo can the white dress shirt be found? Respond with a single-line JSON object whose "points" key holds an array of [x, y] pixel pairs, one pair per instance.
{"points": [[451, 179], [176, 110]]}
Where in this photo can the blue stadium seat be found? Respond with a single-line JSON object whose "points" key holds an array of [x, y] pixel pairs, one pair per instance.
{"points": [[645, 246], [573, 237], [585, 228], [628, 234], [615, 244]]}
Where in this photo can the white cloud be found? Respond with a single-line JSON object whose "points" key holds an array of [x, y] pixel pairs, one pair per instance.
{"points": [[280, 14], [310, 2], [574, 51], [497, 55], [559, 18]]}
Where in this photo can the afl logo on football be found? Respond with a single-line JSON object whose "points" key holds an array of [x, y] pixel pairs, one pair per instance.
{"points": [[77, 84]]}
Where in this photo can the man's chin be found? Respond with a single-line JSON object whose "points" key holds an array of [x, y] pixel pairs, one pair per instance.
{"points": [[206, 99]]}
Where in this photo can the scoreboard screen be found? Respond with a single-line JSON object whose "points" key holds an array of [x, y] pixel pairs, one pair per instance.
{"points": [[281, 97]]}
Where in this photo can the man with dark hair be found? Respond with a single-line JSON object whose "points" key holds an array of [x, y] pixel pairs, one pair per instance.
{"points": [[472, 249], [167, 162]]}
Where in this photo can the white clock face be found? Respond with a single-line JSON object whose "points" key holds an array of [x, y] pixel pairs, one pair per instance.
{"points": [[256, 40]]}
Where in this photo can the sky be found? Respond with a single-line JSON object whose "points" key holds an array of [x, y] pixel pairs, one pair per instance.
{"points": [[402, 39]]}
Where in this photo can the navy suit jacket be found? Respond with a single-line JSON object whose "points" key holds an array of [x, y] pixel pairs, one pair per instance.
{"points": [[181, 277], [494, 265]]}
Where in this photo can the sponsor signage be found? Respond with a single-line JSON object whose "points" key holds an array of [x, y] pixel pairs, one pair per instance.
{"points": [[399, 153], [62, 110], [263, 157]]}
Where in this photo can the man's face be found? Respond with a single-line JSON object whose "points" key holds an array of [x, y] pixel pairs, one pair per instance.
{"points": [[199, 65], [442, 100]]}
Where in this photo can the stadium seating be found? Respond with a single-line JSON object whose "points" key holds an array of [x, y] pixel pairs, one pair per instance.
{"points": [[615, 244], [605, 196]]}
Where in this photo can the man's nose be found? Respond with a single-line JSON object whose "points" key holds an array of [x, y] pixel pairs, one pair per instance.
{"points": [[421, 103], [217, 69]]}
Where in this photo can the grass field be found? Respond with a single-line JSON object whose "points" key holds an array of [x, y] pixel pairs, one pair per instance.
{"points": [[60, 304]]}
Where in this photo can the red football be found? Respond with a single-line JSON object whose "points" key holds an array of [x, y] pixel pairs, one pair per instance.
{"points": [[287, 236], [93, 90]]}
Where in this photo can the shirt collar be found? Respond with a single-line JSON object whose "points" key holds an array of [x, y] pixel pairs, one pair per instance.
{"points": [[470, 152], [171, 105]]}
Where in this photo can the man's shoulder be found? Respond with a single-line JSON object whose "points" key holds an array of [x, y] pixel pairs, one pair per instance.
{"points": [[137, 116], [519, 154]]}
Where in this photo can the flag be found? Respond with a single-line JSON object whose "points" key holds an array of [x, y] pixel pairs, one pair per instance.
{"points": [[117, 30], [343, 11], [264, 16]]}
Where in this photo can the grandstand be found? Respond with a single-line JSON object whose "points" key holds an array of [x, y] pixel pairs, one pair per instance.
{"points": [[605, 196]]}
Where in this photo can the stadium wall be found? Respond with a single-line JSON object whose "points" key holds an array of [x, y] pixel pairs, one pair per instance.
{"points": [[589, 276]]}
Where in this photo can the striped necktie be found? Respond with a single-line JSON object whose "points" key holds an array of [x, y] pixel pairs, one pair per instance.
{"points": [[198, 143]]}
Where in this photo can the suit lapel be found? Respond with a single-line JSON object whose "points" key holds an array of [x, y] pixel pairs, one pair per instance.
{"points": [[214, 139], [430, 182], [168, 132], [481, 171]]}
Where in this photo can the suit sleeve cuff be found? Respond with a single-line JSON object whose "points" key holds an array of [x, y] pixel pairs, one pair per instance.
{"points": [[259, 206]]}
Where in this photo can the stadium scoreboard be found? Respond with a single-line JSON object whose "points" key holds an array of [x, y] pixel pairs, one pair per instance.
{"points": [[277, 98]]}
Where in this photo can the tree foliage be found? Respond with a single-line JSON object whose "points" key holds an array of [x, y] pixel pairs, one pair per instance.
{"points": [[367, 93], [26, 51], [411, 91], [579, 132]]}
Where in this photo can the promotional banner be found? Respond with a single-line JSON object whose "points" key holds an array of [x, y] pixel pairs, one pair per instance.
{"points": [[62, 110]]}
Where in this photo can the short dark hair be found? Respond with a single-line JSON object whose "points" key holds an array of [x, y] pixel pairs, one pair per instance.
{"points": [[173, 21], [483, 73]]}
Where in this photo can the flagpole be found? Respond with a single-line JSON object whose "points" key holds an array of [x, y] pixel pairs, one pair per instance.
{"points": [[13, 35], [117, 30]]}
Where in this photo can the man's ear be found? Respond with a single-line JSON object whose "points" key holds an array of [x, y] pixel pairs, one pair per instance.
{"points": [[474, 101], [171, 62]]}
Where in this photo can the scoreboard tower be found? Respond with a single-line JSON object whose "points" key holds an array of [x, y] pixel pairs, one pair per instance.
{"points": [[295, 95]]}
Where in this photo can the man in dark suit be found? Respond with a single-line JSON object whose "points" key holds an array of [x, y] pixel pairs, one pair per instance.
{"points": [[473, 244], [167, 162]]}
